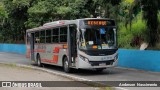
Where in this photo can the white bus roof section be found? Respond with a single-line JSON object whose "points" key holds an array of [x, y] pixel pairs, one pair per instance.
{"points": [[61, 23], [94, 19], [52, 25], [56, 23]]}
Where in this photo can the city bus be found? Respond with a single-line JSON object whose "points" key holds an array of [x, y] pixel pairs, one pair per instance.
{"points": [[89, 43]]}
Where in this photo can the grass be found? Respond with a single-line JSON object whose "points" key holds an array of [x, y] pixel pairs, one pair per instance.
{"points": [[10, 65], [15, 66]]}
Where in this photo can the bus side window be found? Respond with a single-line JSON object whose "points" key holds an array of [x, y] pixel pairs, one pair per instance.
{"points": [[63, 34], [55, 35], [42, 36], [48, 36], [37, 39]]}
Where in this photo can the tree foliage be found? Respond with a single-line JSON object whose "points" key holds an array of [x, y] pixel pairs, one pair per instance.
{"points": [[150, 15], [3, 13], [150, 8], [18, 15]]}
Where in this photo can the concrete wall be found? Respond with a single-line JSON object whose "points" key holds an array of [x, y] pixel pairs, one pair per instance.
{"points": [[143, 60], [14, 48]]}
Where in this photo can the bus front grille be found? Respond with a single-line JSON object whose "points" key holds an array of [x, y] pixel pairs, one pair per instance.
{"points": [[97, 63], [101, 52]]}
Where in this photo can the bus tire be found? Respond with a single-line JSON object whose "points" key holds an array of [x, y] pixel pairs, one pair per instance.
{"points": [[39, 61], [66, 67]]}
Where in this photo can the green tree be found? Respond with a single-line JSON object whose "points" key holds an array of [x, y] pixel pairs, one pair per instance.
{"points": [[149, 10], [51, 10], [3, 16], [150, 14], [13, 28], [3, 13]]}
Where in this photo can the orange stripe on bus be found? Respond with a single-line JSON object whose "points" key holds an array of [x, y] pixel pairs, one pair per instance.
{"points": [[56, 50], [46, 60], [55, 59], [40, 50]]}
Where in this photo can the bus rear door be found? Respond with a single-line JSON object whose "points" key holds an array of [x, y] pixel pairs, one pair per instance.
{"points": [[32, 43]]}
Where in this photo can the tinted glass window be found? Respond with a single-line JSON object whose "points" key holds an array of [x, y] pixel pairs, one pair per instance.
{"points": [[63, 34], [37, 39], [55, 39], [48, 36], [63, 30], [55, 35], [55, 31], [42, 36]]}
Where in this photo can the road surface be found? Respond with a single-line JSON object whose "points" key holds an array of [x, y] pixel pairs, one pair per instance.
{"points": [[17, 74], [110, 74]]}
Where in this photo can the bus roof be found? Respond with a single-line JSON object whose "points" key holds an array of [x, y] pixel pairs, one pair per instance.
{"points": [[61, 23], [51, 25], [95, 19]]}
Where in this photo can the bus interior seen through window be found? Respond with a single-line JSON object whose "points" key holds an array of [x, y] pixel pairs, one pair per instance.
{"points": [[103, 38]]}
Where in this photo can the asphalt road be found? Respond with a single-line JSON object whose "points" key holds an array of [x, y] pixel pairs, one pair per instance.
{"points": [[110, 74]]}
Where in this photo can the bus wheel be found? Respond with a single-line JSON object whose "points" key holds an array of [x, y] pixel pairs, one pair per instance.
{"points": [[39, 61], [66, 65]]}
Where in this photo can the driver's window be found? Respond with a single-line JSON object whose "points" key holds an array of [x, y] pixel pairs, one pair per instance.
{"points": [[82, 41]]}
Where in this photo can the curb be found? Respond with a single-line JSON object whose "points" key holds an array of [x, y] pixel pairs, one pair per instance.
{"points": [[46, 70], [137, 70]]}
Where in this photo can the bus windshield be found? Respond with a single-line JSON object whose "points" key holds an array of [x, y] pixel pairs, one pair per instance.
{"points": [[98, 38]]}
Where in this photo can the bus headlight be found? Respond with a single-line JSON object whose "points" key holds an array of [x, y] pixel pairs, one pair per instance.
{"points": [[84, 58], [116, 57]]}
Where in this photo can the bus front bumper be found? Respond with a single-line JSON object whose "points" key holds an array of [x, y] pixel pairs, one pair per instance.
{"points": [[96, 64]]}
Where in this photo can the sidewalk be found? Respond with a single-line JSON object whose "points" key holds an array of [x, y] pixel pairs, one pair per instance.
{"points": [[14, 73]]}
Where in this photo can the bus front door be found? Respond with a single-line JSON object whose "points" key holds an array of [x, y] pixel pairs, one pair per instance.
{"points": [[72, 45]]}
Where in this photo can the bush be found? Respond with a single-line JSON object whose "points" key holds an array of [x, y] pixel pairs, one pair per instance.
{"points": [[131, 39]]}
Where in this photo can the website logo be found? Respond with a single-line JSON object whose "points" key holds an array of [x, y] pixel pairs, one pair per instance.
{"points": [[6, 84]]}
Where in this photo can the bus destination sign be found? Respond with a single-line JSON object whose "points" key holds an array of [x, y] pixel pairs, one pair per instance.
{"points": [[97, 22]]}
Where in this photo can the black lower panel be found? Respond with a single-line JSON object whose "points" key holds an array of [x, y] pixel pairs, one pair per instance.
{"points": [[97, 63], [100, 52]]}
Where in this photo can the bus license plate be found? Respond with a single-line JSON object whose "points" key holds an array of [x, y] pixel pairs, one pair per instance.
{"points": [[102, 64]]}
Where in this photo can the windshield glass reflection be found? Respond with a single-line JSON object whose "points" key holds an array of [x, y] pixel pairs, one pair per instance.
{"points": [[97, 38]]}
